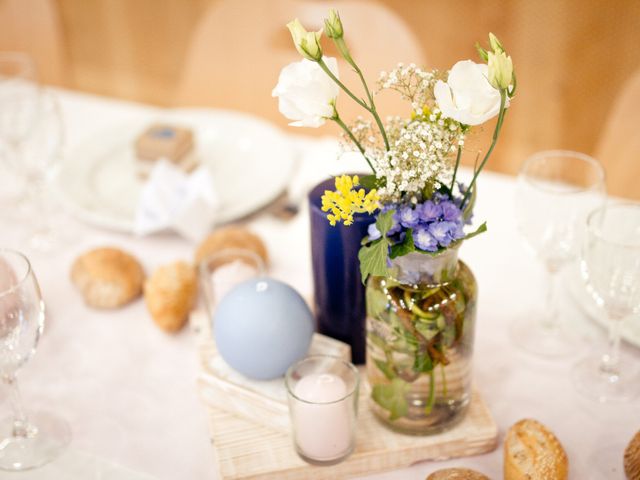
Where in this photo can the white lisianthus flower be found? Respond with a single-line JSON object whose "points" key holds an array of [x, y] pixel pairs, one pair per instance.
{"points": [[467, 96], [305, 92]]}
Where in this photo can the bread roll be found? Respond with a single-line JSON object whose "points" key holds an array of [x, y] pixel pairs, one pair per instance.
{"points": [[632, 458], [170, 294], [107, 277], [231, 237], [532, 452], [457, 474]]}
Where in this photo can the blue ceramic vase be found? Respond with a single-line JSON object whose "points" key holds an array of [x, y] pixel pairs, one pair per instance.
{"points": [[339, 295]]}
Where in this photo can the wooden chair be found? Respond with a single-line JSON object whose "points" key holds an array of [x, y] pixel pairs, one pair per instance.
{"points": [[239, 48], [34, 27], [619, 145]]}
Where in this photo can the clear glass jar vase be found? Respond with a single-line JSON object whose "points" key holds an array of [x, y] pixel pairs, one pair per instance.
{"points": [[420, 331]]}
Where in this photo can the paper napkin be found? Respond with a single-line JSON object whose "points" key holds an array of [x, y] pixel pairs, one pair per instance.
{"points": [[174, 200]]}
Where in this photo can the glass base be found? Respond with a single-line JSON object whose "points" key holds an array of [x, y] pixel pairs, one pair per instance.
{"points": [[593, 382], [50, 437], [324, 462], [443, 417], [545, 341], [43, 240]]}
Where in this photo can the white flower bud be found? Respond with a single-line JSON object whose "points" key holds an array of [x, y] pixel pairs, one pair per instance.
{"points": [[495, 43], [307, 43], [333, 25], [500, 73]]}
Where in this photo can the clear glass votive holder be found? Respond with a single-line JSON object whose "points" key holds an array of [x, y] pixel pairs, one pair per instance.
{"points": [[221, 271], [323, 404]]}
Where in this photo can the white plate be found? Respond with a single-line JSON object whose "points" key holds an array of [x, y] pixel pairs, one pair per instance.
{"points": [[630, 328], [249, 159]]}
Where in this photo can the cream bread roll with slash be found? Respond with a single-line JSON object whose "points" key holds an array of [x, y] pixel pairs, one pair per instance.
{"points": [[532, 452]]}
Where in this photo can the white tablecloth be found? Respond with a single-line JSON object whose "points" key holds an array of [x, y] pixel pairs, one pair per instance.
{"points": [[128, 389]]}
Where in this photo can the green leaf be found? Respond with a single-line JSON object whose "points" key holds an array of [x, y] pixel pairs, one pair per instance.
{"points": [[386, 369], [423, 362], [481, 229], [377, 302], [449, 334], [384, 222], [373, 257], [377, 340], [392, 397], [407, 246], [369, 182], [468, 208], [428, 331]]}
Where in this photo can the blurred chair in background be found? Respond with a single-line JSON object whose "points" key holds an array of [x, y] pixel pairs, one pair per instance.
{"points": [[572, 59], [619, 145], [34, 27], [236, 54]]}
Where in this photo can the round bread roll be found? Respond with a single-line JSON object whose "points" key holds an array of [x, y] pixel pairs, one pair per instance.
{"points": [[170, 294], [457, 474], [632, 458], [107, 277], [532, 452], [232, 236]]}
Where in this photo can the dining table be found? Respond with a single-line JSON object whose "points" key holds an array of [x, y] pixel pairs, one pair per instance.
{"points": [[128, 389]]}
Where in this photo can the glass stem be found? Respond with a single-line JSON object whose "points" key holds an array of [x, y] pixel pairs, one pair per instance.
{"points": [[21, 426], [550, 321], [610, 361], [15, 164]]}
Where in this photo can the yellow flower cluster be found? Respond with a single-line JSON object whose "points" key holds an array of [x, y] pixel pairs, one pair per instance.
{"points": [[345, 200]]}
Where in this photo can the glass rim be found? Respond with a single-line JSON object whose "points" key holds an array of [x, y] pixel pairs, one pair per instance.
{"points": [[27, 65], [19, 282], [261, 265], [588, 159], [349, 365], [597, 232]]}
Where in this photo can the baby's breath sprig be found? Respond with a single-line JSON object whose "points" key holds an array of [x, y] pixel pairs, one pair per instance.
{"points": [[412, 83]]}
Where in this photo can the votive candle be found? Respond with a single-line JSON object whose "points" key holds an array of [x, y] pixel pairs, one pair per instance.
{"points": [[323, 393]]}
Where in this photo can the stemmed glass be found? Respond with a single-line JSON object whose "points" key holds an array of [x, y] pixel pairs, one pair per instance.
{"points": [[19, 104], [40, 154], [556, 190], [25, 441], [611, 268]]}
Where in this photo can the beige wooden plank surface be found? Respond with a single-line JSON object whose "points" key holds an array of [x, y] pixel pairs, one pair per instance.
{"points": [[249, 446], [247, 450]]}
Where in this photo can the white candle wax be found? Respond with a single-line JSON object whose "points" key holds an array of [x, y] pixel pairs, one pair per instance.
{"points": [[323, 430], [227, 276]]}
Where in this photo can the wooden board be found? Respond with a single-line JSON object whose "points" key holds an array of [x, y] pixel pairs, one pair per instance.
{"points": [[247, 447], [264, 402], [247, 450]]}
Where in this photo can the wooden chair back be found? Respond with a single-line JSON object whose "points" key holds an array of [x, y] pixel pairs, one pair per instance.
{"points": [[619, 145], [34, 27], [235, 58]]}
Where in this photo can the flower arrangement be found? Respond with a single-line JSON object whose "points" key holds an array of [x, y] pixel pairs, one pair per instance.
{"points": [[414, 161], [420, 313]]}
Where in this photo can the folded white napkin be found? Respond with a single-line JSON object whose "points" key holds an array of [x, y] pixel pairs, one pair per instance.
{"points": [[179, 201]]}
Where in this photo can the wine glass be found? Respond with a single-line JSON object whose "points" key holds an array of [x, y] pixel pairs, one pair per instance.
{"points": [[19, 104], [41, 152], [611, 268], [25, 441], [556, 190]]}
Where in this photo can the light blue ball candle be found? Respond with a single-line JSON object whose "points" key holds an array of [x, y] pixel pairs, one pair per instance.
{"points": [[261, 327]]}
